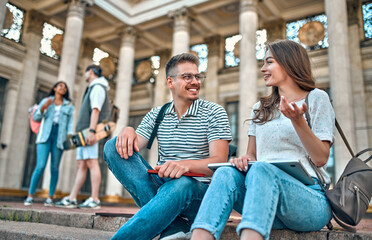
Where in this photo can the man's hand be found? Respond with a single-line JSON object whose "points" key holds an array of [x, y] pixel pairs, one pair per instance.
{"points": [[172, 169], [126, 142], [91, 139]]}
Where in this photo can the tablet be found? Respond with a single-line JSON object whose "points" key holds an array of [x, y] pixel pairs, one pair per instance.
{"points": [[292, 167]]}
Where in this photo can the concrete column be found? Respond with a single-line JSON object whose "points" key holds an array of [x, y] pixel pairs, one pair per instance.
{"points": [[181, 34], [71, 42], [211, 83], [275, 30], [20, 134], [161, 93], [2, 12], [123, 90], [339, 74], [248, 22], [68, 162], [356, 70], [7, 127]]}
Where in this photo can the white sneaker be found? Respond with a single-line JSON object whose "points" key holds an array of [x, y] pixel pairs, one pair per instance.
{"points": [[178, 236], [29, 201], [90, 203], [66, 203]]}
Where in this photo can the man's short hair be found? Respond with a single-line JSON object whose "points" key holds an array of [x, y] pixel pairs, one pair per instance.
{"points": [[97, 70], [171, 67]]}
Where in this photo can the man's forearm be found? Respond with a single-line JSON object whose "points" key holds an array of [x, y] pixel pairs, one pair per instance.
{"points": [[94, 118]]}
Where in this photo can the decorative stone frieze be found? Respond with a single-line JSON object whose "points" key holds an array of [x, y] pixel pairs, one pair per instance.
{"points": [[248, 5], [89, 46], [128, 36], [275, 30], [35, 22], [214, 44], [353, 8], [181, 19], [77, 7]]}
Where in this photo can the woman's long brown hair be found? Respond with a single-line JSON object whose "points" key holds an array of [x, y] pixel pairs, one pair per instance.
{"points": [[293, 58]]}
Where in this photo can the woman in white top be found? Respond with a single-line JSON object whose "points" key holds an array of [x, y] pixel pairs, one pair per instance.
{"points": [[267, 197], [56, 115]]}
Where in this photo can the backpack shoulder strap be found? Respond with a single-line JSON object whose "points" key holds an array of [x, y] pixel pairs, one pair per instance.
{"points": [[158, 120], [339, 129]]}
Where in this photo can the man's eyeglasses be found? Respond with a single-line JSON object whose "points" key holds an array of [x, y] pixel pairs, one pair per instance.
{"points": [[188, 77]]}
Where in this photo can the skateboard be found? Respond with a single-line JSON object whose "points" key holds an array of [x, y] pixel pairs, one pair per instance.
{"points": [[103, 130]]}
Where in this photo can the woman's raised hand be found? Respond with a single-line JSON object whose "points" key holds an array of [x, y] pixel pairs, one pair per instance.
{"points": [[291, 110]]}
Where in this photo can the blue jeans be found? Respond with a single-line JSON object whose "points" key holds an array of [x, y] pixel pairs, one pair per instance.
{"points": [[164, 202], [42, 153], [267, 198]]}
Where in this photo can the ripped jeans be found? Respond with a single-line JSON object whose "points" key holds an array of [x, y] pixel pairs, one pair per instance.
{"points": [[267, 198]]}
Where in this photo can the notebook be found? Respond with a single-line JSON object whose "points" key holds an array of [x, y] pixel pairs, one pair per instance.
{"points": [[292, 167]]}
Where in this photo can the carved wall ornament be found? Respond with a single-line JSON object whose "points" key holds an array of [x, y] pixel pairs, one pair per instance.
{"points": [[311, 33], [108, 67], [8, 19], [144, 71], [57, 43]]}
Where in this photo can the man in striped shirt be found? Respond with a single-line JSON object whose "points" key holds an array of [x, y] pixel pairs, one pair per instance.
{"points": [[193, 133]]}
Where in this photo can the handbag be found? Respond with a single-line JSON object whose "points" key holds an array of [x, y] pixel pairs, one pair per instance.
{"points": [[35, 125], [350, 197]]}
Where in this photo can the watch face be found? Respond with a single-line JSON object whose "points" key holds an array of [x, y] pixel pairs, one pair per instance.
{"points": [[144, 71]]}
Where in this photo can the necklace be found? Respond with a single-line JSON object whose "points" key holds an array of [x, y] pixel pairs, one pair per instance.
{"points": [[297, 99]]}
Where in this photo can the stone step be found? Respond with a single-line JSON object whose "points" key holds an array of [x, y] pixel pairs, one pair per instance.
{"points": [[23, 223], [61, 217], [29, 230]]}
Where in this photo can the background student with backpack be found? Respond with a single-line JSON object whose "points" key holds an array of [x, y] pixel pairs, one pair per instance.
{"points": [[55, 113]]}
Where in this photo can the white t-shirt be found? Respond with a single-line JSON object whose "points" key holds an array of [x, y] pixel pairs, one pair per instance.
{"points": [[98, 94], [278, 140], [57, 110]]}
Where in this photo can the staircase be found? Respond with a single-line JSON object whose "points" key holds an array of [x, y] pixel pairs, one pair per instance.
{"points": [[38, 222]]}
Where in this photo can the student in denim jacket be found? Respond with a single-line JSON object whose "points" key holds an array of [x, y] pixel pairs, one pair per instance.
{"points": [[267, 197], [56, 111]]}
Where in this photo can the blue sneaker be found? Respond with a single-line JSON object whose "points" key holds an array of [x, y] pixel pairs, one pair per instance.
{"points": [[48, 202]]}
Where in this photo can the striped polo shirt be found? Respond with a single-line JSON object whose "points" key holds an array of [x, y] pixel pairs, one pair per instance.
{"points": [[189, 136]]}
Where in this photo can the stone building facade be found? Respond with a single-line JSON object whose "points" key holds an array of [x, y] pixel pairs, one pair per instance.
{"points": [[131, 31]]}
